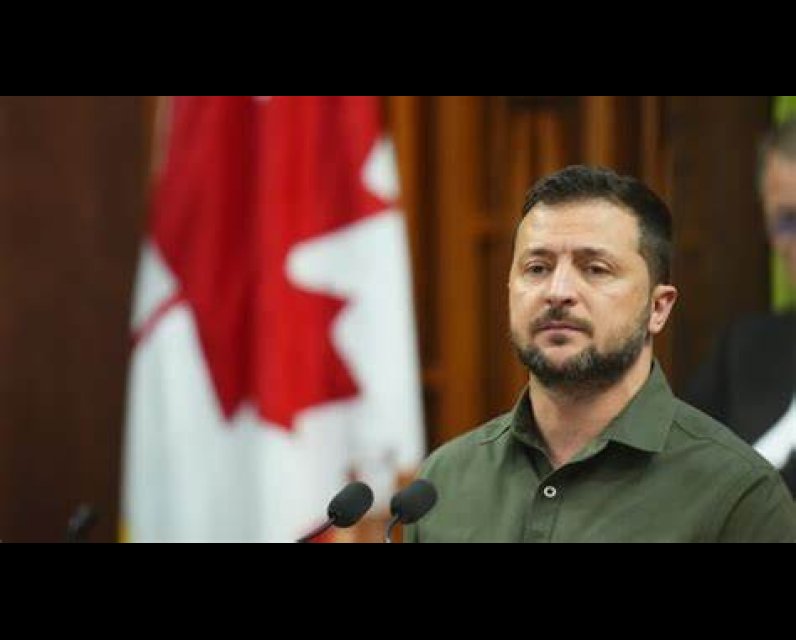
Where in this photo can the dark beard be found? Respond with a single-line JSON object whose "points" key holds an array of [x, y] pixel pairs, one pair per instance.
{"points": [[589, 370]]}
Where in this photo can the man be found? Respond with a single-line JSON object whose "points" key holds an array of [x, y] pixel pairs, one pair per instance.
{"points": [[749, 381], [597, 448]]}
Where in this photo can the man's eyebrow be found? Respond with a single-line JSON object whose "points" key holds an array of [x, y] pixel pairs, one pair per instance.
{"points": [[586, 251], [537, 251], [593, 252]]}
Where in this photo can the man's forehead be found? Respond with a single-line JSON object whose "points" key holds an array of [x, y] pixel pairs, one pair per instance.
{"points": [[779, 195], [597, 223], [780, 178]]}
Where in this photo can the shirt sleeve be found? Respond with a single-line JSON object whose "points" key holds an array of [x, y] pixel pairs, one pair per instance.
{"points": [[763, 512]]}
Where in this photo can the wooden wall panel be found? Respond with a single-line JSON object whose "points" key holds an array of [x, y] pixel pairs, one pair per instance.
{"points": [[458, 191], [71, 199], [722, 255]]}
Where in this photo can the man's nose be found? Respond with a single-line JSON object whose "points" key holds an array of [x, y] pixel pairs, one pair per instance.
{"points": [[562, 290]]}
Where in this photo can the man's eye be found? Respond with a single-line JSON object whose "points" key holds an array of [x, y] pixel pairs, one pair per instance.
{"points": [[536, 269], [785, 222], [597, 270]]}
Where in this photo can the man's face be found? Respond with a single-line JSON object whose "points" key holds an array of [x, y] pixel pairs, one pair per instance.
{"points": [[779, 204], [580, 304]]}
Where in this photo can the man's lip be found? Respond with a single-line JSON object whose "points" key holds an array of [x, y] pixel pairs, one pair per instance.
{"points": [[558, 326]]}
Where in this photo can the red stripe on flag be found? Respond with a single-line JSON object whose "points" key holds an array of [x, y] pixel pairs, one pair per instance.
{"points": [[148, 326]]}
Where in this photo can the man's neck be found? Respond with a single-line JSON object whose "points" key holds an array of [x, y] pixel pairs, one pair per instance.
{"points": [[570, 419]]}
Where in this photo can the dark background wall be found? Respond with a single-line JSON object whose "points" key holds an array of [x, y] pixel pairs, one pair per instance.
{"points": [[72, 185], [722, 256]]}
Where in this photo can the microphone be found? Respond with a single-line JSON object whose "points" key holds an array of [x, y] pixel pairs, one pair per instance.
{"points": [[411, 504], [83, 518], [345, 509]]}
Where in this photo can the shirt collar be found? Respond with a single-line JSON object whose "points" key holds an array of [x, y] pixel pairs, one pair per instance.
{"points": [[643, 424], [645, 421]]}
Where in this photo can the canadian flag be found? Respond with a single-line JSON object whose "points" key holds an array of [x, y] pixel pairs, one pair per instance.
{"points": [[274, 355]]}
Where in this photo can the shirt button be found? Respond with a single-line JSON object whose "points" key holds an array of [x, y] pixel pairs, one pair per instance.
{"points": [[549, 491]]}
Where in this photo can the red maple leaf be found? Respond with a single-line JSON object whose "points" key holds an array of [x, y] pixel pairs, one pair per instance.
{"points": [[243, 183]]}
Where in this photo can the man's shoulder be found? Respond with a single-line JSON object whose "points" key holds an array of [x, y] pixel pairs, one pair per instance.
{"points": [[692, 426]]}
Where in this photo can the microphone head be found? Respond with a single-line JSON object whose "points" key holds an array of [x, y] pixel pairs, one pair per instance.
{"points": [[348, 506], [83, 518], [414, 501]]}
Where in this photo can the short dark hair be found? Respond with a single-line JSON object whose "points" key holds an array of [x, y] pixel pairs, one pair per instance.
{"points": [[780, 139], [579, 182]]}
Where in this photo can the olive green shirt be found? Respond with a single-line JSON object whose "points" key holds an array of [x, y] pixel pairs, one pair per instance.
{"points": [[661, 471]]}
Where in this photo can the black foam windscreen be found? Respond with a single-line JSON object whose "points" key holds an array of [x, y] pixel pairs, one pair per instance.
{"points": [[348, 506]]}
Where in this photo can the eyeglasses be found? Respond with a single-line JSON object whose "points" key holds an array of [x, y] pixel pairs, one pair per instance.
{"points": [[784, 223]]}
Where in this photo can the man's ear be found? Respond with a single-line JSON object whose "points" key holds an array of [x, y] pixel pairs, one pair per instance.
{"points": [[663, 299]]}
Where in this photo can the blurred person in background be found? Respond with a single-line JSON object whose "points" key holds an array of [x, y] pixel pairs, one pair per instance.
{"points": [[749, 380]]}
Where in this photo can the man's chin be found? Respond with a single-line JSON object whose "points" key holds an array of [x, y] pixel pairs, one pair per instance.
{"points": [[559, 358]]}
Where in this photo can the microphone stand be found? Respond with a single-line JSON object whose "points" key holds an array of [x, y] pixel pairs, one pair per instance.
{"points": [[81, 521], [390, 526], [316, 532]]}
